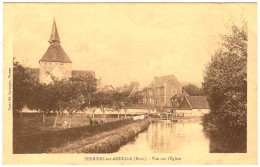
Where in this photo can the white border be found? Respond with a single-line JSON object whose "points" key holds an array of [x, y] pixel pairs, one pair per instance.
{"points": [[111, 1], [164, 1]]}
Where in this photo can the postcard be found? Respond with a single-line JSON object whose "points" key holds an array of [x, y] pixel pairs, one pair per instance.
{"points": [[130, 83]]}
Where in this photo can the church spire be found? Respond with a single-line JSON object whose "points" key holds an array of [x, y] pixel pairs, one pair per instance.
{"points": [[54, 34]]}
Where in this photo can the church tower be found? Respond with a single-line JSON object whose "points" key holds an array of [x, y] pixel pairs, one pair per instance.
{"points": [[55, 62]]}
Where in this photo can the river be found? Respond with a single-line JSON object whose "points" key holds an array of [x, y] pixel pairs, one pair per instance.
{"points": [[169, 137]]}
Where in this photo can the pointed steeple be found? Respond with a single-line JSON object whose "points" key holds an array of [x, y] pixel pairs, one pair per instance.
{"points": [[55, 52], [54, 34]]}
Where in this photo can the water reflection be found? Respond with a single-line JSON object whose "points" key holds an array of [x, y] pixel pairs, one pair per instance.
{"points": [[227, 143], [168, 137]]}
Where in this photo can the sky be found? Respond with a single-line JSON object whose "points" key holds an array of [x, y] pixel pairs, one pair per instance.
{"points": [[124, 42]]}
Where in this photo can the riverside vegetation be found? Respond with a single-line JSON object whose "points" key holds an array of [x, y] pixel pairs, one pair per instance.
{"points": [[105, 142], [43, 142], [225, 85]]}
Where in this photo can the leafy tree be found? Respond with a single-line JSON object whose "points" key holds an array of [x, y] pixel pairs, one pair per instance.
{"points": [[57, 94], [193, 90], [225, 83], [22, 83], [78, 94], [118, 99], [47, 98], [123, 97], [40, 99], [102, 100]]}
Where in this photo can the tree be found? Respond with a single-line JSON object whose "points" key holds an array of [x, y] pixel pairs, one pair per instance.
{"points": [[22, 83], [102, 100], [39, 99], [78, 94], [123, 97], [58, 96], [225, 83], [118, 99], [193, 90]]}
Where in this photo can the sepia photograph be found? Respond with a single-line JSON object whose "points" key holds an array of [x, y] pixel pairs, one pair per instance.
{"points": [[130, 83]]}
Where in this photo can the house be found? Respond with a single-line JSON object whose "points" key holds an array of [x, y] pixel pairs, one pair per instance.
{"points": [[161, 90], [55, 62], [185, 105]]}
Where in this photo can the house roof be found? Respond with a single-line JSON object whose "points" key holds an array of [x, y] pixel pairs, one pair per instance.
{"points": [[179, 96], [78, 73], [197, 102], [161, 81]]}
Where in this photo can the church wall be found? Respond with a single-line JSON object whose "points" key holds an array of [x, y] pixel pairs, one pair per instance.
{"points": [[47, 67], [66, 68]]}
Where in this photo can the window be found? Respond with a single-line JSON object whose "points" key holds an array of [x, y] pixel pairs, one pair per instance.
{"points": [[61, 64], [45, 63], [50, 63]]}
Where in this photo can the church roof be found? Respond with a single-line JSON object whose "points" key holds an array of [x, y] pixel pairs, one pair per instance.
{"points": [[54, 34], [55, 52]]}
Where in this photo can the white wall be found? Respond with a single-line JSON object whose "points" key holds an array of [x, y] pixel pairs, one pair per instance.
{"points": [[193, 112]]}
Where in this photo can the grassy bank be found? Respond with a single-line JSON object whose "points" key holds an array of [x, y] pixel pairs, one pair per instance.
{"points": [[106, 142], [32, 123], [43, 142]]}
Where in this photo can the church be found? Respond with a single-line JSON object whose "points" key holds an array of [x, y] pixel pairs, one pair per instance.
{"points": [[55, 62]]}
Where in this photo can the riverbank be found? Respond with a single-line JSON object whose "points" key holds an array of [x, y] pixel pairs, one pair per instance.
{"points": [[106, 142], [31, 123], [43, 142], [188, 119], [180, 119]]}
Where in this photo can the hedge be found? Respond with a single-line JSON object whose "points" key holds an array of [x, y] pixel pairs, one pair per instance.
{"points": [[41, 143]]}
